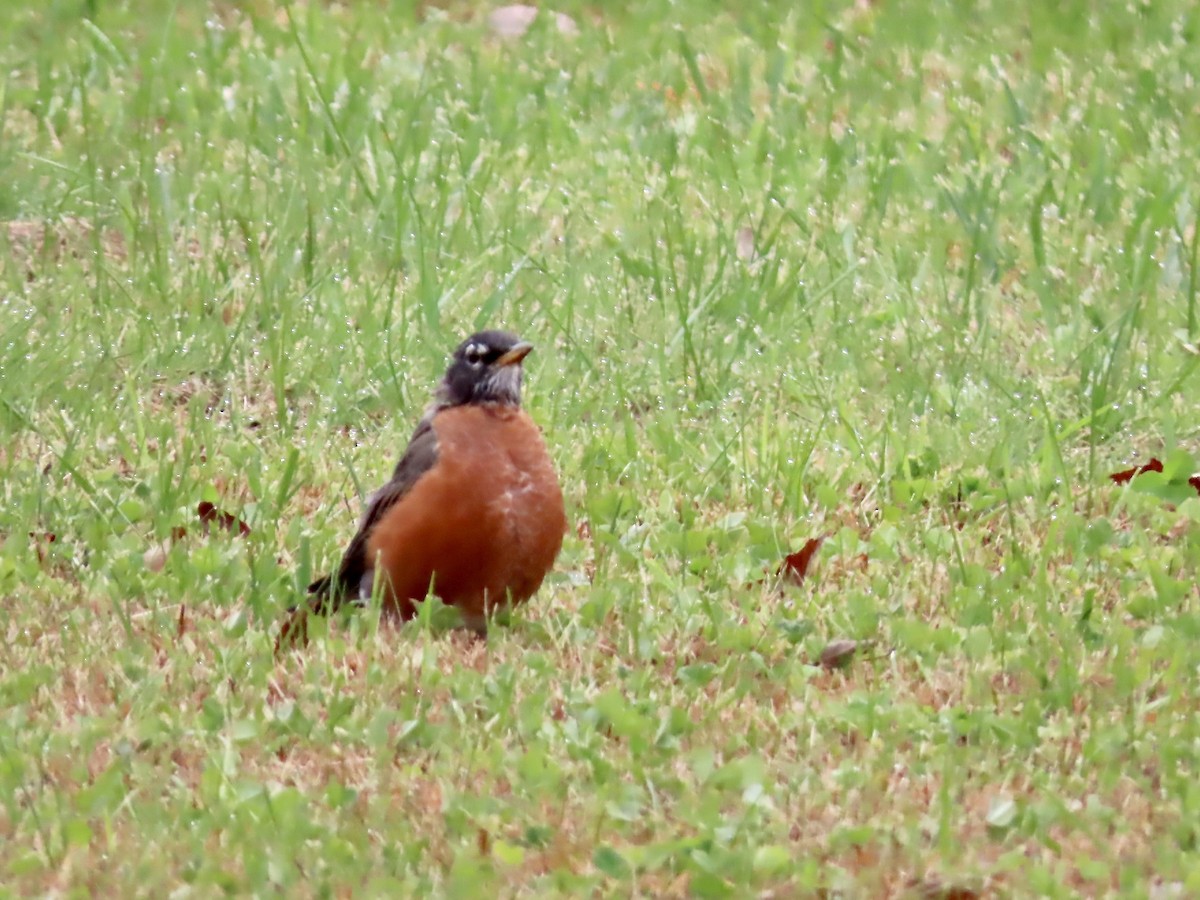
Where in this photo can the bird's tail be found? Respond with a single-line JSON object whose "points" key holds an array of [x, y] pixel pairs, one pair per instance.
{"points": [[322, 592], [322, 601]]}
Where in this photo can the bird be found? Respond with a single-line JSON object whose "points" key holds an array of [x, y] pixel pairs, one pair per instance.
{"points": [[473, 513]]}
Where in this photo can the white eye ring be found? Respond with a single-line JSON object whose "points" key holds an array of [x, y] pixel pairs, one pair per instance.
{"points": [[474, 354]]}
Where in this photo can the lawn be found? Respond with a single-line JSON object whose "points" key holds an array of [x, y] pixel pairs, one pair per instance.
{"points": [[912, 277]]}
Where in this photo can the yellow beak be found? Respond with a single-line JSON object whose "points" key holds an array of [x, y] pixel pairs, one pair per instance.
{"points": [[519, 351]]}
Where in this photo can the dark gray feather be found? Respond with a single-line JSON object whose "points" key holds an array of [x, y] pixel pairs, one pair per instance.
{"points": [[333, 590]]}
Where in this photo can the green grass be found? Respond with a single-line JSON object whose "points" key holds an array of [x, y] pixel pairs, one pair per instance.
{"points": [[915, 276]]}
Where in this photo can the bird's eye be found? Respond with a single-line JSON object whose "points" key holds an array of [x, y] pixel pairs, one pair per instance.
{"points": [[474, 354]]}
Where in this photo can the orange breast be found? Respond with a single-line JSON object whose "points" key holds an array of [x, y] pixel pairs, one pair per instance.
{"points": [[484, 526]]}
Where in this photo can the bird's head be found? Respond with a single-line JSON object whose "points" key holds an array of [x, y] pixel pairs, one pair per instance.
{"points": [[486, 368]]}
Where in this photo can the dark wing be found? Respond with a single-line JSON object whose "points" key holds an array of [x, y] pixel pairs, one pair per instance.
{"points": [[331, 592]]}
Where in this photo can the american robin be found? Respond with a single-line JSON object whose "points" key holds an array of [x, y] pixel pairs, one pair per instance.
{"points": [[473, 513]]}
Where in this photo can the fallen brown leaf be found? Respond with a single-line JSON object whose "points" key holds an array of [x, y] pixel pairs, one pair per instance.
{"points": [[1155, 465], [838, 654], [1126, 475], [210, 516], [796, 565]]}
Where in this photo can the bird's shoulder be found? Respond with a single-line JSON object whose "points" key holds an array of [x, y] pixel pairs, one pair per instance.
{"points": [[419, 457]]}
